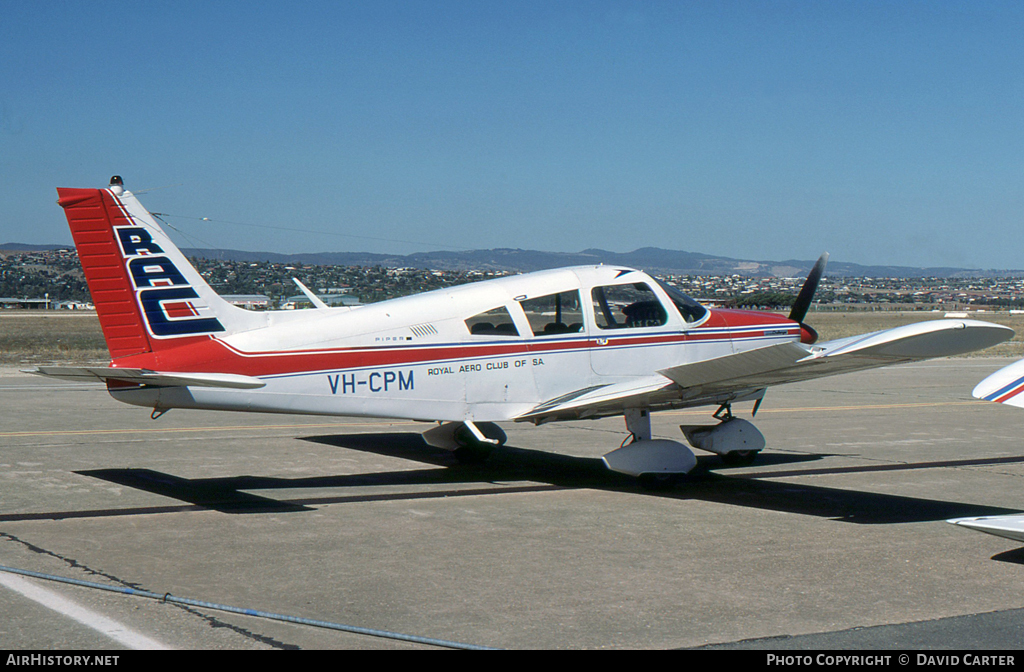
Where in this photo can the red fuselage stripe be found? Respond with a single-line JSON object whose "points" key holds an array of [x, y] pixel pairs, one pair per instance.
{"points": [[214, 355]]}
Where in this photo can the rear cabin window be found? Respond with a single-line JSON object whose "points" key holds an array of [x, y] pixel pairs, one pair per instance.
{"points": [[494, 322], [627, 307], [560, 313]]}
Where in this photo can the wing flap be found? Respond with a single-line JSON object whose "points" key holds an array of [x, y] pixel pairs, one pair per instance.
{"points": [[89, 374], [602, 400], [741, 366]]}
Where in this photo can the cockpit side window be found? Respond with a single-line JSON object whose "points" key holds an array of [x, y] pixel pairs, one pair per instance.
{"points": [[494, 322], [688, 308], [560, 313], [627, 307]]}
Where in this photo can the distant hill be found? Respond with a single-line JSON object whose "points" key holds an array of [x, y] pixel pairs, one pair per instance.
{"points": [[652, 259], [23, 247]]}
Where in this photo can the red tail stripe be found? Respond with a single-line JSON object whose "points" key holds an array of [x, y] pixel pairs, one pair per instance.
{"points": [[89, 216]]}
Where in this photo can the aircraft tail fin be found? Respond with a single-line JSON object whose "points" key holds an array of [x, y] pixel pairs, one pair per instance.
{"points": [[147, 295]]}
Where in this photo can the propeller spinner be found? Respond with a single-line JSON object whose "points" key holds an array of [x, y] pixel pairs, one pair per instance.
{"points": [[804, 298]]}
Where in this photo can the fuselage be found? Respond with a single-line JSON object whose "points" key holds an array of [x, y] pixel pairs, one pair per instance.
{"points": [[487, 351]]}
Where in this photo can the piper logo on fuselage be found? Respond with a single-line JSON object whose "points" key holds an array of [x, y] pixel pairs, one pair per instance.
{"points": [[158, 282]]}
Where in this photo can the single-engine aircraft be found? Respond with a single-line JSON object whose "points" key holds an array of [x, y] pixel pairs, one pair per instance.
{"points": [[563, 344], [1003, 387]]}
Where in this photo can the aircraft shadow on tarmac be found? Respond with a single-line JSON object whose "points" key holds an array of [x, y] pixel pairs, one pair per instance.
{"points": [[1016, 556], [542, 471]]}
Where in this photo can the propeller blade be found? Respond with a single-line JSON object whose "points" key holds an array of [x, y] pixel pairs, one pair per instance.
{"points": [[803, 300]]}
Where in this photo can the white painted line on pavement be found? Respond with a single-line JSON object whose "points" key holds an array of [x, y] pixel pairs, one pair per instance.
{"points": [[119, 632]]}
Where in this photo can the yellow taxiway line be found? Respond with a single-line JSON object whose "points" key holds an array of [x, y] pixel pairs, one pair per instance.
{"points": [[340, 425]]}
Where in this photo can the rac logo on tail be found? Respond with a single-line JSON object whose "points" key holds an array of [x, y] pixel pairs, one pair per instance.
{"points": [[163, 292]]}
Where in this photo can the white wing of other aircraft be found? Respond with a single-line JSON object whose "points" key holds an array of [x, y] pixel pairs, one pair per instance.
{"points": [[1011, 527], [570, 343], [1003, 387]]}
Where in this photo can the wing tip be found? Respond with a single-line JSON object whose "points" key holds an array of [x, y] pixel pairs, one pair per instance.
{"points": [[1007, 526]]}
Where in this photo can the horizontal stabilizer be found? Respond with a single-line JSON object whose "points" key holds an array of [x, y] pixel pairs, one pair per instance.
{"points": [[90, 374], [1011, 527], [1004, 386]]}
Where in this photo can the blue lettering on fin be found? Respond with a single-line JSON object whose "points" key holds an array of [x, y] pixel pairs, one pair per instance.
{"points": [[136, 240], [147, 269], [157, 281], [161, 325]]}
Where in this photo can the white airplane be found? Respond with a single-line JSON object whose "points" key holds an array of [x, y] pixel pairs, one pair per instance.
{"points": [[1003, 387], [564, 344]]}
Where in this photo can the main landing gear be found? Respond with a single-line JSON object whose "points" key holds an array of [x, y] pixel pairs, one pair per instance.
{"points": [[661, 463], [470, 442], [735, 440], [657, 463]]}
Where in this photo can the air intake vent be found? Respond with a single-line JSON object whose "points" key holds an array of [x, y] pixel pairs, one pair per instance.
{"points": [[422, 330]]}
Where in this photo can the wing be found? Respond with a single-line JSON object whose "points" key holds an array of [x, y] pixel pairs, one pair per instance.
{"points": [[89, 374], [793, 362], [745, 375], [1004, 386], [1011, 527]]}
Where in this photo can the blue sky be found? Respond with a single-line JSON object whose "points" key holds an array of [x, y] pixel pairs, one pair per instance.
{"points": [[884, 132]]}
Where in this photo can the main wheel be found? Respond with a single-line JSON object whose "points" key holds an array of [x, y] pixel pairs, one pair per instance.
{"points": [[740, 457], [660, 482]]}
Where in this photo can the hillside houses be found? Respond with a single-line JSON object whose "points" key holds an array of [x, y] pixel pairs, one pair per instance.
{"points": [[55, 276]]}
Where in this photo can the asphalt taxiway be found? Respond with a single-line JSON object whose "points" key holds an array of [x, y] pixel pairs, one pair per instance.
{"points": [[836, 536]]}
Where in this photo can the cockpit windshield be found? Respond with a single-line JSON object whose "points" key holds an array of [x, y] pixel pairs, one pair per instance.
{"points": [[689, 309]]}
